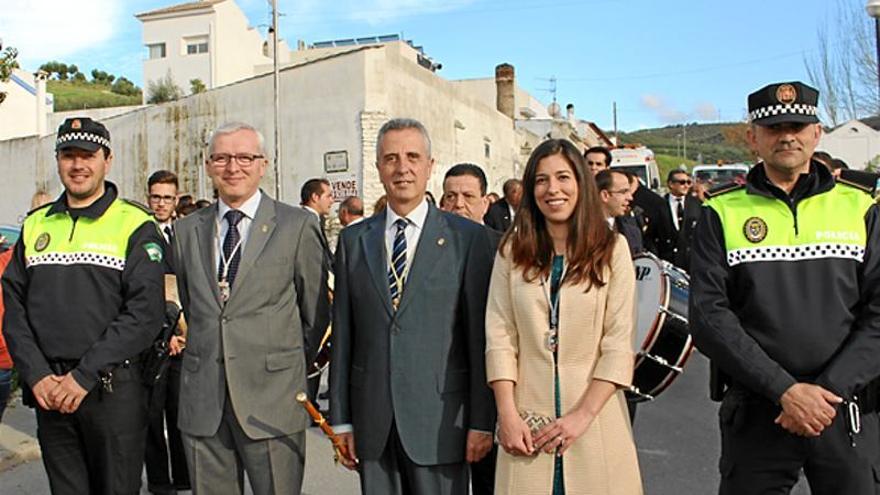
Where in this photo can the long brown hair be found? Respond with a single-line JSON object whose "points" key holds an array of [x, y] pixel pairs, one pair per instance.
{"points": [[590, 241]]}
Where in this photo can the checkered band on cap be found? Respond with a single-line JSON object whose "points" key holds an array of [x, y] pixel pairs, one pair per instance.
{"points": [[83, 136], [773, 110]]}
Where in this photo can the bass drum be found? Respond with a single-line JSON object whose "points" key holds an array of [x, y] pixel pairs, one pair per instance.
{"points": [[663, 343]]}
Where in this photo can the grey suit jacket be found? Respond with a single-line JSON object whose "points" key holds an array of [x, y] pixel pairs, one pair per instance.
{"points": [[424, 365], [254, 345]]}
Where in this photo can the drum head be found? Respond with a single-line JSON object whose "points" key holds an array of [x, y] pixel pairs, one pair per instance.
{"points": [[650, 286]]}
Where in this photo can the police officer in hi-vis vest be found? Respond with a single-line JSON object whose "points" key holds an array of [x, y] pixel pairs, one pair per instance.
{"points": [[785, 275], [84, 296]]}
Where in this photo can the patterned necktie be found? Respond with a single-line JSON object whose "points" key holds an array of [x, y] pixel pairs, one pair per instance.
{"points": [[397, 269], [229, 243], [679, 211]]}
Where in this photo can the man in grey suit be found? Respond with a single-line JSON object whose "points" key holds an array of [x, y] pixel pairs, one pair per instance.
{"points": [[408, 386], [253, 287]]}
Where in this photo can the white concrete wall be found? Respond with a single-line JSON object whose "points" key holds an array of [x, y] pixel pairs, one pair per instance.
{"points": [[853, 142], [486, 90], [26, 164], [56, 118], [398, 87], [332, 105]]}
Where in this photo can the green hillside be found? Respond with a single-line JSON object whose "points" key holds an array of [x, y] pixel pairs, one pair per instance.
{"points": [[75, 96], [709, 142]]}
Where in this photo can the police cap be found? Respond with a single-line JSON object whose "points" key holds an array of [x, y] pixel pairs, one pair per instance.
{"points": [[791, 102], [82, 133]]}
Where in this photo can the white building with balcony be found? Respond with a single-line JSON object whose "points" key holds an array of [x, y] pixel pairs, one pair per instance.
{"points": [[208, 40]]}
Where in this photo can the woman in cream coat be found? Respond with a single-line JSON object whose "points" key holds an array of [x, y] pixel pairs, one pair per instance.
{"points": [[561, 254]]}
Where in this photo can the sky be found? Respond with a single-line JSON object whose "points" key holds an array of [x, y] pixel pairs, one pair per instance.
{"points": [[663, 62]]}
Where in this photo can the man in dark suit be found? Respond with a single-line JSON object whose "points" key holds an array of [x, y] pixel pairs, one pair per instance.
{"points": [[502, 212], [408, 389], [614, 192], [679, 220], [464, 193], [165, 395], [252, 281]]}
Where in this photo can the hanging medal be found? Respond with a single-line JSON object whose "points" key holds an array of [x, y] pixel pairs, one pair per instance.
{"points": [[551, 337], [223, 284]]}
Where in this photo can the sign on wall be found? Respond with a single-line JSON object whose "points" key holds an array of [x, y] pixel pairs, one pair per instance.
{"points": [[343, 188], [335, 161]]}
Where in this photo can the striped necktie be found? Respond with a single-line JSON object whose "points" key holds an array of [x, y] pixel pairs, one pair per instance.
{"points": [[397, 270]]}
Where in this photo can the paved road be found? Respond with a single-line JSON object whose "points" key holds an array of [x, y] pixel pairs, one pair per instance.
{"points": [[677, 438]]}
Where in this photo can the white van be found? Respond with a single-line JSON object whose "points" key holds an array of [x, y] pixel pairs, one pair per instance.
{"points": [[639, 161], [715, 175]]}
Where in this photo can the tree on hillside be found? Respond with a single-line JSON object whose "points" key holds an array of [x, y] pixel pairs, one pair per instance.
{"points": [[8, 63], [845, 67], [163, 89], [59, 69], [101, 77], [123, 86]]}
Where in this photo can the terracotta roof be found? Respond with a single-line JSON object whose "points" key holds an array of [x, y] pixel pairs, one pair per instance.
{"points": [[183, 7]]}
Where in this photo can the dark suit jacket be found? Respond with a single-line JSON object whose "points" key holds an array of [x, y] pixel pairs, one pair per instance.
{"points": [[628, 226], [253, 346], [498, 216], [675, 246], [422, 366], [651, 206]]}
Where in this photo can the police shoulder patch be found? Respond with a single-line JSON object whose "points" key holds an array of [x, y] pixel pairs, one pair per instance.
{"points": [[723, 189], [859, 179], [146, 209], [154, 251]]}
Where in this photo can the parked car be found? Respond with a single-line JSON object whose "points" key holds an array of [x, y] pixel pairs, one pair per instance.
{"points": [[10, 234]]}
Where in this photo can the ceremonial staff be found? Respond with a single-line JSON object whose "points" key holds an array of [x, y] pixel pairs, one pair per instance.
{"points": [[340, 449]]}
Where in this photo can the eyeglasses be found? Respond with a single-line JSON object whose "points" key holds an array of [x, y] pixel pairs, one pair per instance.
{"points": [[157, 198], [243, 159], [619, 191], [682, 181]]}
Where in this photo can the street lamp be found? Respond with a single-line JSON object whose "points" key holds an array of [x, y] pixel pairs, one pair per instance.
{"points": [[873, 8]]}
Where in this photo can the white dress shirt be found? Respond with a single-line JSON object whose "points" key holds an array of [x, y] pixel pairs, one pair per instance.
{"points": [[249, 208], [413, 231], [673, 207]]}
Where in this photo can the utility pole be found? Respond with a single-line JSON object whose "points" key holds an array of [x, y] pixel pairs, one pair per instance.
{"points": [[685, 141], [276, 80], [616, 135]]}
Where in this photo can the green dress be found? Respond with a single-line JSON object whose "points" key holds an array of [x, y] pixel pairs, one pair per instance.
{"points": [[555, 279]]}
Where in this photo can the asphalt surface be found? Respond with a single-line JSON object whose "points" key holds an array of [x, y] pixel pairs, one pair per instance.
{"points": [[676, 435]]}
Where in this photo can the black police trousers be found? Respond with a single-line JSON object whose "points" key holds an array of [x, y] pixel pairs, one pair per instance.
{"points": [[164, 401], [760, 457], [99, 449]]}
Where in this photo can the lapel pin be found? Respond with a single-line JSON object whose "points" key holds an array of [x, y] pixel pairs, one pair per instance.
{"points": [[264, 228], [441, 241]]}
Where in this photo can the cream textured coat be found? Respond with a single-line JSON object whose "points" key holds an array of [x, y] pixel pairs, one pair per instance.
{"points": [[595, 341]]}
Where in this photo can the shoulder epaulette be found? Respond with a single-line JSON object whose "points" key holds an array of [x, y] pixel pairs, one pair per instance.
{"points": [[47, 205], [859, 179], [723, 189], [138, 205]]}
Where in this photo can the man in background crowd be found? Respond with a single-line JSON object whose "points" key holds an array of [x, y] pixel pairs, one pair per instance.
{"points": [[165, 395], [679, 220], [351, 211], [614, 192], [597, 159], [464, 193], [502, 212]]}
